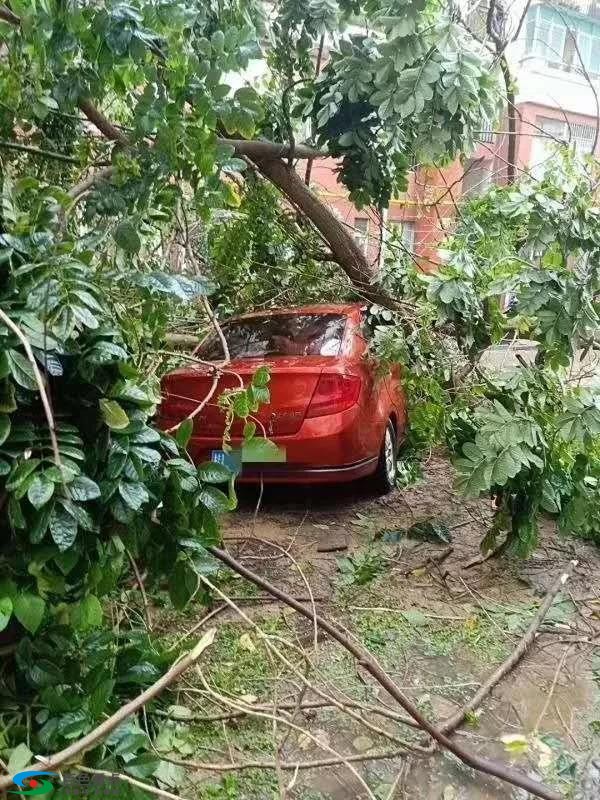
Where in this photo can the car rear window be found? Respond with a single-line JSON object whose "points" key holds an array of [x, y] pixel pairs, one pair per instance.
{"points": [[278, 335]]}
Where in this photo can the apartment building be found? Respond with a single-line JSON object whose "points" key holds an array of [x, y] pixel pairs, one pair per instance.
{"points": [[555, 59]]}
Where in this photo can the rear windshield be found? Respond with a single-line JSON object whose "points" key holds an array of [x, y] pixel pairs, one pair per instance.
{"points": [[279, 335]]}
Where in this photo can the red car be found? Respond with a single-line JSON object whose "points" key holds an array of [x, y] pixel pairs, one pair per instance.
{"points": [[332, 413]]}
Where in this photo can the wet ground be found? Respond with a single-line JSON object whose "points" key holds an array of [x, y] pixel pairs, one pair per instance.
{"points": [[439, 629]]}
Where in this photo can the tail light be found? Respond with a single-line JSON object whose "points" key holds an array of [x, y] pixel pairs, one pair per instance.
{"points": [[334, 393]]}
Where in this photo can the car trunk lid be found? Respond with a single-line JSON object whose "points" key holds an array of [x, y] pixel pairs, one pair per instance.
{"points": [[291, 387]]}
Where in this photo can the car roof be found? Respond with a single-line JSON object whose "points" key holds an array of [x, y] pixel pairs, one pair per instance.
{"points": [[320, 308]]}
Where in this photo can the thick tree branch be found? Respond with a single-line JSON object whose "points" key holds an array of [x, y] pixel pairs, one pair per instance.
{"points": [[494, 20], [267, 156], [345, 251], [368, 663], [8, 16], [255, 149]]}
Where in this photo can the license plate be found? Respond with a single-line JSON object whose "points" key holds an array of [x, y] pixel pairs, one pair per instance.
{"points": [[232, 460]]}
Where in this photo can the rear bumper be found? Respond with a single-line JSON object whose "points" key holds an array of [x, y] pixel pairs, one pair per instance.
{"points": [[302, 473], [329, 449]]}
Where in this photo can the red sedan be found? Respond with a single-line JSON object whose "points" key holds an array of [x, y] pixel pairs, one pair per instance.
{"points": [[333, 414]]}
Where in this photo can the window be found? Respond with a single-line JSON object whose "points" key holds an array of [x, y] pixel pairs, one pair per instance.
{"points": [[278, 335], [581, 136], [477, 177], [404, 232], [555, 37], [486, 133], [361, 233]]}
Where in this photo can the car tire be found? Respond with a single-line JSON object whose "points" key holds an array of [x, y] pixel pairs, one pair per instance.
{"points": [[384, 477]]}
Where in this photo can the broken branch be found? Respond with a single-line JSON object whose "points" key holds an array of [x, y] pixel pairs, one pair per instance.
{"points": [[452, 723], [369, 663]]}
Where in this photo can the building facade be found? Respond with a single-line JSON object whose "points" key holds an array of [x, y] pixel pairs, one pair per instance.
{"points": [[555, 59]]}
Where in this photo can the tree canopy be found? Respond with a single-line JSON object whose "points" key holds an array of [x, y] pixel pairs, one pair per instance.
{"points": [[142, 171]]}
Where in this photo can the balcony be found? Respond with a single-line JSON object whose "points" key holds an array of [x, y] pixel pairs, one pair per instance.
{"points": [[591, 8]]}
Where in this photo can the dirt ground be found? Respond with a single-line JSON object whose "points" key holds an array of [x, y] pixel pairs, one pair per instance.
{"points": [[439, 629]]}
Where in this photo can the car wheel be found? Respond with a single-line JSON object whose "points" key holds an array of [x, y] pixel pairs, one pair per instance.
{"points": [[384, 477]]}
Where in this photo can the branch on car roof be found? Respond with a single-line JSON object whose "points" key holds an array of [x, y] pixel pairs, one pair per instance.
{"points": [[266, 157]]}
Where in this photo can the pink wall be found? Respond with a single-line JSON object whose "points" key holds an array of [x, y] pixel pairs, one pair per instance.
{"points": [[432, 195]]}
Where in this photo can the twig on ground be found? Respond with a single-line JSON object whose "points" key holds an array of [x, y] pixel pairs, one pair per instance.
{"points": [[287, 554], [346, 708], [550, 694], [483, 557], [147, 787], [77, 748], [369, 663], [485, 611], [199, 625], [436, 559], [450, 724], [311, 705], [298, 728], [289, 765], [567, 728]]}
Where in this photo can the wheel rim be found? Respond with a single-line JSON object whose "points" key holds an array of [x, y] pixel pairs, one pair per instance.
{"points": [[390, 459]]}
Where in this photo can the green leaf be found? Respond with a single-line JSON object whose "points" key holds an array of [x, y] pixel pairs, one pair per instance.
{"points": [[180, 286], [40, 491], [21, 472], [6, 609], [8, 588], [63, 527], [29, 609], [100, 696], [134, 494], [143, 766], [127, 237], [20, 757], [183, 583], [241, 406], [8, 402], [211, 472], [83, 489], [21, 370], [15, 514], [261, 377], [184, 432], [87, 614], [4, 365], [4, 427], [214, 500], [40, 523], [261, 394], [79, 514], [249, 431], [113, 414]]}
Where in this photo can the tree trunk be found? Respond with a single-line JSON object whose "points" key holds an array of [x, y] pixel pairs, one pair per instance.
{"points": [[511, 156], [344, 249]]}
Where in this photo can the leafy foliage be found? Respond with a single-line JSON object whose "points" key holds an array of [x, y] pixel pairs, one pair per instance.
{"points": [[259, 255], [413, 88]]}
